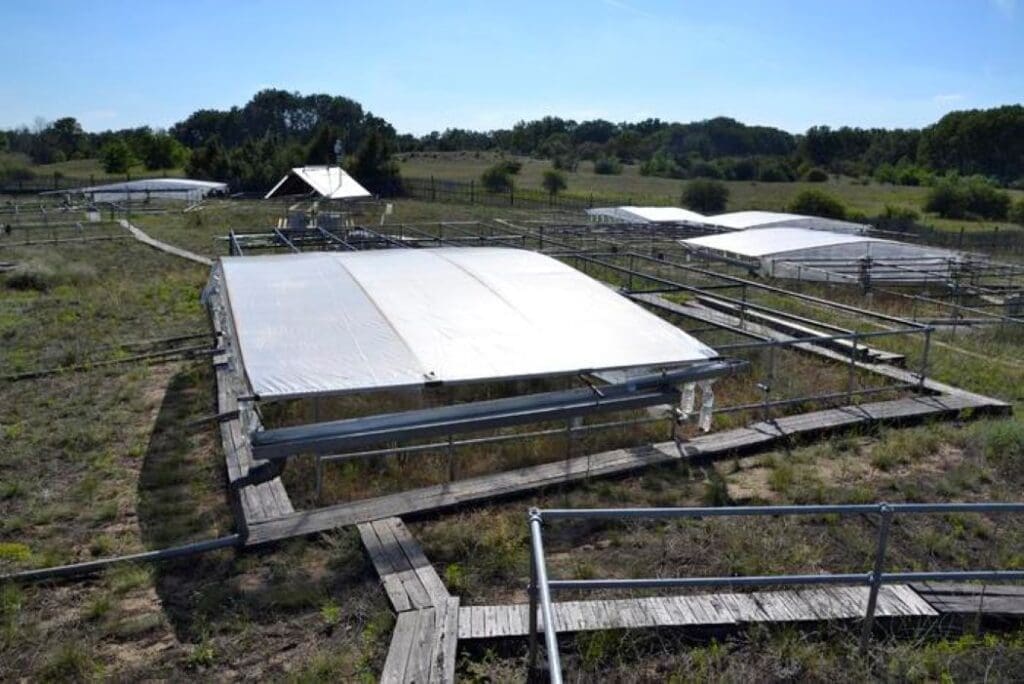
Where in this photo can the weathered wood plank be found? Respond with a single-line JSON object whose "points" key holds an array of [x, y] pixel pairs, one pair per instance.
{"points": [[402, 639], [418, 561], [445, 649], [418, 596], [389, 578]]}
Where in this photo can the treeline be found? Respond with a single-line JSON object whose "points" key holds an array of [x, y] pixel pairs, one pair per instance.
{"points": [[251, 146], [988, 143]]}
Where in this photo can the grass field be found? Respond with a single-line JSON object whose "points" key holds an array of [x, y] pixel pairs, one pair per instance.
{"points": [[102, 461], [632, 188], [85, 169]]}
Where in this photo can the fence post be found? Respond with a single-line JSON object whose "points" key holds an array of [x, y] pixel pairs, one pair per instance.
{"points": [[924, 357], [850, 381], [511, 195], [532, 591], [875, 578]]}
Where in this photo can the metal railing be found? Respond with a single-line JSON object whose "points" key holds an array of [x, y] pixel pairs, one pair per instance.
{"points": [[541, 586]]}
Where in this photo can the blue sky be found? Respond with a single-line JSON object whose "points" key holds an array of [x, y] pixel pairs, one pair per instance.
{"points": [[430, 65]]}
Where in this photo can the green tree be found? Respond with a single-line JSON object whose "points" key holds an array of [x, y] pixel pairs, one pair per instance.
{"points": [[164, 152], [373, 165], [497, 178], [817, 203], [554, 182], [117, 157], [706, 196], [607, 166]]}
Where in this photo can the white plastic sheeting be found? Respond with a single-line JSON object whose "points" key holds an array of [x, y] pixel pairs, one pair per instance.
{"points": [[329, 182], [331, 322], [153, 188], [742, 220], [818, 255], [631, 214]]}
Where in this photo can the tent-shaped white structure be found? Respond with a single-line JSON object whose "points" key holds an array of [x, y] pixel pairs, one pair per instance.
{"points": [[184, 189], [631, 214], [742, 220], [819, 255], [327, 182], [333, 322]]}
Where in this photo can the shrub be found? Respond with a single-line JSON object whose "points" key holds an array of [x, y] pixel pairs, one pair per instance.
{"points": [[1016, 213], [607, 166], [897, 218], [705, 196], [497, 178], [512, 166], [565, 162], [662, 165], [116, 156], [554, 181], [816, 175], [956, 198], [817, 203]]}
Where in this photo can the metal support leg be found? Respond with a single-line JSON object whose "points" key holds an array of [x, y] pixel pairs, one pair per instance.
{"points": [[885, 513], [532, 634]]}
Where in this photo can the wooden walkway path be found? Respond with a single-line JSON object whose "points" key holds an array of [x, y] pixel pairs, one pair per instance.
{"points": [[163, 246], [426, 632], [991, 600], [617, 462], [408, 577], [697, 610]]}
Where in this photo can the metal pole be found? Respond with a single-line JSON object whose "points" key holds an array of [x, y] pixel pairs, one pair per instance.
{"points": [[319, 476], [924, 357], [850, 382], [550, 636], [532, 591], [885, 512]]}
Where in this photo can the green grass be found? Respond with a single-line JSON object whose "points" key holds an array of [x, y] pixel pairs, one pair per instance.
{"points": [[86, 169]]}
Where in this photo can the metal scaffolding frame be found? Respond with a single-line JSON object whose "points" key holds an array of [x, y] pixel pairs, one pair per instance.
{"points": [[541, 586]]}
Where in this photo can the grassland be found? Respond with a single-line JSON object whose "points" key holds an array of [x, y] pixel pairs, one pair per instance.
{"points": [[632, 188], [102, 461]]}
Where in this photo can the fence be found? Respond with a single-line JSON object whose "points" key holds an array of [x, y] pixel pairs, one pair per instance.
{"points": [[541, 586], [438, 190]]}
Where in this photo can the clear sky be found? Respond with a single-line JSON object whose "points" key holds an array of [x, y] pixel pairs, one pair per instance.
{"points": [[427, 64]]}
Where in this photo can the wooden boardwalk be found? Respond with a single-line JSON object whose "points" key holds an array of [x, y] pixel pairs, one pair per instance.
{"points": [[423, 645], [609, 463], [163, 246], [426, 632], [697, 610], [408, 577], [990, 600]]}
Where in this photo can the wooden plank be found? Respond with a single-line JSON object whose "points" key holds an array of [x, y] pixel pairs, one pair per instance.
{"points": [[418, 667], [915, 604], [442, 665], [418, 596], [967, 589], [392, 584], [424, 569], [402, 638]]}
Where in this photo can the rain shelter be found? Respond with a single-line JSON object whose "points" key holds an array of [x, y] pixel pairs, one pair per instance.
{"points": [[334, 322], [818, 255], [631, 214], [153, 188], [326, 182], [742, 220]]}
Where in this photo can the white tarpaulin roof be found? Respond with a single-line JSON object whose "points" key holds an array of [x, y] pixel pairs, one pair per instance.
{"points": [[330, 182], [819, 255], [761, 242], [163, 188], [741, 220], [331, 322], [649, 214]]}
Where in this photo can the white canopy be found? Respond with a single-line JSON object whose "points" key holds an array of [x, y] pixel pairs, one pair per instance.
{"points": [[648, 214], [331, 322], [819, 255], [153, 188], [330, 182], [741, 220]]}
